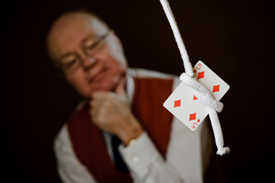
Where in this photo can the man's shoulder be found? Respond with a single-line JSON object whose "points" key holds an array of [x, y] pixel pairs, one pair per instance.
{"points": [[63, 130], [145, 73], [61, 138]]}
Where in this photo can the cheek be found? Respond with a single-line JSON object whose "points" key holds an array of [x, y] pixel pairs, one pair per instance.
{"points": [[116, 54], [118, 66], [79, 83]]}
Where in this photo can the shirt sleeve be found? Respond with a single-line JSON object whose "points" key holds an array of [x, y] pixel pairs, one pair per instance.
{"points": [[185, 160], [69, 168]]}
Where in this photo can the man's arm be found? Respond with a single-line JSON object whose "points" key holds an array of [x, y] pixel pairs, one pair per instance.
{"points": [[183, 162], [111, 112]]}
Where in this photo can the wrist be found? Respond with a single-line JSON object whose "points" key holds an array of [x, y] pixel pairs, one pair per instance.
{"points": [[131, 133]]}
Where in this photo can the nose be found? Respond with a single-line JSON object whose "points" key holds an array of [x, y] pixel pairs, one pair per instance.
{"points": [[88, 62]]}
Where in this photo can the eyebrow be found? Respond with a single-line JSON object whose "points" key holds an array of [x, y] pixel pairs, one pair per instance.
{"points": [[91, 36], [95, 36], [81, 43], [88, 38]]}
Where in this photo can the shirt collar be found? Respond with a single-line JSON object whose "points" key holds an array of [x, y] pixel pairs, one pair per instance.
{"points": [[130, 87]]}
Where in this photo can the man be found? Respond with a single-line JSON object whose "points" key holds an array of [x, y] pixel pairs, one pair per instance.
{"points": [[121, 133]]}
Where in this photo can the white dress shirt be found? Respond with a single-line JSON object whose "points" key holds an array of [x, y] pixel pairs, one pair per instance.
{"points": [[187, 156]]}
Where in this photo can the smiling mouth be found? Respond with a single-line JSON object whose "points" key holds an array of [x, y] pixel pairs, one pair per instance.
{"points": [[98, 76]]}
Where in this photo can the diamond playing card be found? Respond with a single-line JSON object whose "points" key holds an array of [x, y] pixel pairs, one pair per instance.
{"points": [[183, 104]]}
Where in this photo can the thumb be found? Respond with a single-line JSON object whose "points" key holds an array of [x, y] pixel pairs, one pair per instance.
{"points": [[120, 86]]}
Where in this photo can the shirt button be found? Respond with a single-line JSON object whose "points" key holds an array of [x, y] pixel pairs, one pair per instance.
{"points": [[135, 159]]}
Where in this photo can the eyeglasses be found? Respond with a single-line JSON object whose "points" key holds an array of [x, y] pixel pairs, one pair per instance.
{"points": [[90, 48]]}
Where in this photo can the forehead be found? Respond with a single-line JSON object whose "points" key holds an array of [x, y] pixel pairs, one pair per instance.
{"points": [[70, 30]]}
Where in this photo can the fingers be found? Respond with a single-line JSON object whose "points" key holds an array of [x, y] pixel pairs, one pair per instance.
{"points": [[101, 100], [120, 87], [101, 94]]}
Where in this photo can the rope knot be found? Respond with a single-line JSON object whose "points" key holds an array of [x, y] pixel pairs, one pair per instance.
{"points": [[201, 92]]}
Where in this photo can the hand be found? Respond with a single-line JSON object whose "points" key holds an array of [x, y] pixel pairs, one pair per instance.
{"points": [[111, 112]]}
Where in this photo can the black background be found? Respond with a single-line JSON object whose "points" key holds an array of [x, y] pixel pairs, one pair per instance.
{"points": [[234, 38]]}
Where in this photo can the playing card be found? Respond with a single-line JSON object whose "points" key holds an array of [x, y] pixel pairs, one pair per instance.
{"points": [[183, 104]]}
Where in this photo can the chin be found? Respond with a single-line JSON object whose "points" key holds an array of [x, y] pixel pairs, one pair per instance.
{"points": [[108, 86], [105, 86]]}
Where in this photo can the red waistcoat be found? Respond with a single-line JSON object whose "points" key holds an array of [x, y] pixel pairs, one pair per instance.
{"points": [[88, 142]]}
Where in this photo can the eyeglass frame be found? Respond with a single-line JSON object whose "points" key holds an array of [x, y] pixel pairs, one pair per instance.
{"points": [[84, 48]]}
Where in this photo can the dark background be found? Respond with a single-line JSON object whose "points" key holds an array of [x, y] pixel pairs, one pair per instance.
{"points": [[234, 38]]}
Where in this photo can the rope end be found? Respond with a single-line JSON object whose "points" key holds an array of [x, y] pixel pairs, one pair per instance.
{"points": [[224, 150], [220, 107]]}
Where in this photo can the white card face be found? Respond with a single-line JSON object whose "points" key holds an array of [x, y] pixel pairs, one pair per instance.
{"points": [[185, 106]]}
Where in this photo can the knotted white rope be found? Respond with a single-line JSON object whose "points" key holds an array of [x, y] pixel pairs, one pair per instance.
{"points": [[199, 90]]}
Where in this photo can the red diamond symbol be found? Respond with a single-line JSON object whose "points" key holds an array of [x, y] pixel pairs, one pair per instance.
{"points": [[192, 116], [177, 103], [195, 98], [198, 120], [200, 75], [216, 88]]}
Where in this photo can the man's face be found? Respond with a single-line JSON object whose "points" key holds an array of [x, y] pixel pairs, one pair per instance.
{"points": [[102, 70]]}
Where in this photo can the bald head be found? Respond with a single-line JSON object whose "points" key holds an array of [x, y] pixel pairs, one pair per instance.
{"points": [[71, 29], [70, 38]]}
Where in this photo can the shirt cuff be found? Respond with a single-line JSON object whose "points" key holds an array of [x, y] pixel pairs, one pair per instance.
{"points": [[139, 155]]}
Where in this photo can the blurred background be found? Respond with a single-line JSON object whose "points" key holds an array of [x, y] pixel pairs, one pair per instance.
{"points": [[234, 38]]}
